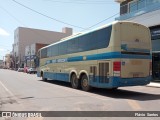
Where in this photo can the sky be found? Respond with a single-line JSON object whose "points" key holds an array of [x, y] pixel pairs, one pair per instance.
{"points": [[82, 14]]}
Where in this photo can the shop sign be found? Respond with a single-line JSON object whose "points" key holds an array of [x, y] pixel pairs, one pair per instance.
{"points": [[30, 57], [155, 33]]}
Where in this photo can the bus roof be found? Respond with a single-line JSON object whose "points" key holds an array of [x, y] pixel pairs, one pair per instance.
{"points": [[83, 33]]}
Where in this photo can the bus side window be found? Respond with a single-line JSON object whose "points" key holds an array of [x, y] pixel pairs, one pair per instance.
{"points": [[73, 46], [44, 53], [63, 48], [54, 50]]}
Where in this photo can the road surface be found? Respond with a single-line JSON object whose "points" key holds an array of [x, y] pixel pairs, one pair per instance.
{"points": [[26, 92]]}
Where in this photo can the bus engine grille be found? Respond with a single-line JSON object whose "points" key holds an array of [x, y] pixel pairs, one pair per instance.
{"points": [[93, 70], [103, 71]]}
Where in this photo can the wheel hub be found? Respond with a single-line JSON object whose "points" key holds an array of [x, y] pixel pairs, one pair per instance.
{"points": [[85, 82]]}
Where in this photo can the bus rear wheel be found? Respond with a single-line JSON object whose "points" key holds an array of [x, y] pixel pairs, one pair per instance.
{"points": [[114, 89], [75, 82], [85, 83]]}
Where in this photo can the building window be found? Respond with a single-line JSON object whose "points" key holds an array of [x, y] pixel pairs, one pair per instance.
{"points": [[155, 32], [149, 2], [123, 9], [139, 4], [33, 53], [133, 6]]}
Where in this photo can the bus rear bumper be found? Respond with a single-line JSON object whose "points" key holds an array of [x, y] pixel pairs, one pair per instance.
{"points": [[114, 82], [122, 82]]}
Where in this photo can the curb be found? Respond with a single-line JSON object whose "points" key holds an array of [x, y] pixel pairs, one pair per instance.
{"points": [[156, 85]]}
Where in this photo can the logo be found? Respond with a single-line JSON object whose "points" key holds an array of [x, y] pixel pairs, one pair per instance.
{"points": [[6, 114], [84, 57], [136, 40], [123, 63]]}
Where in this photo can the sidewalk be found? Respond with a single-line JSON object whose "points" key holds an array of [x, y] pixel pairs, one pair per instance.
{"points": [[154, 84]]}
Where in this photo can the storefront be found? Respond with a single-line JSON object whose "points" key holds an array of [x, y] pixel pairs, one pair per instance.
{"points": [[30, 61], [155, 36]]}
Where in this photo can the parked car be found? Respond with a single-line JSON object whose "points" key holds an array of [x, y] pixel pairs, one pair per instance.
{"points": [[20, 70], [32, 70]]}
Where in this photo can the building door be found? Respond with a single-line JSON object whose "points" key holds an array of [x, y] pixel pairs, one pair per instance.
{"points": [[156, 67]]}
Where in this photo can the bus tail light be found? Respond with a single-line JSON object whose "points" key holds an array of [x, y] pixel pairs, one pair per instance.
{"points": [[116, 68], [150, 68]]}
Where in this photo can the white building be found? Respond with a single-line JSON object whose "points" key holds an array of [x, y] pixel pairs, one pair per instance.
{"points": [[146, 12], [26, 36], [7, 61]]}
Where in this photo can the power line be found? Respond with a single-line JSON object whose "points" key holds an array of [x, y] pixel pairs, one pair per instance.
{"points": [[82, 2], [149, 17], [141, 19], [100, 22], [62, 21], [65, 22], [18, 21], [93, 0], [47, 15]]}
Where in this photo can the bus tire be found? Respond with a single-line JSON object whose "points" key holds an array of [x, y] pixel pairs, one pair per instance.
{"points": [[85, 83], [75, 82], [114, 89]]}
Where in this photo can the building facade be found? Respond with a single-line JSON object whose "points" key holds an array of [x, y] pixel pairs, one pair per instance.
{"points": [[26, 36], [146, 12], [8, 62], [31, 54], [1, 63]]}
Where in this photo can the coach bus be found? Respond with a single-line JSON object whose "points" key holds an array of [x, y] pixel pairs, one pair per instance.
{"points": [[112, 56]]}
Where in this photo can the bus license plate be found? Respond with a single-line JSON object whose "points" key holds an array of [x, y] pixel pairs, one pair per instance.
{"points": [[135, 75]]}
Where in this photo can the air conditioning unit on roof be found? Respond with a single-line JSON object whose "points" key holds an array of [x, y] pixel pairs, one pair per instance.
{"points": [[119, 1]]}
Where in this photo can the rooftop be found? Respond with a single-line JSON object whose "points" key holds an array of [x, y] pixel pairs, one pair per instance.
{"points": [[119, 1]]}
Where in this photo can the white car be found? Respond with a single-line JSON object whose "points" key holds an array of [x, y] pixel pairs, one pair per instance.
{"points": [[20, 70], [32, 70]]}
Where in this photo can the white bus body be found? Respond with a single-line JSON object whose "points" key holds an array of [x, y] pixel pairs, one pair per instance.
{"points": [[112, 56]]}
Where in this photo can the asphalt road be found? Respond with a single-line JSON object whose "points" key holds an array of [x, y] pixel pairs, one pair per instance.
{"points": [[24, 92]]}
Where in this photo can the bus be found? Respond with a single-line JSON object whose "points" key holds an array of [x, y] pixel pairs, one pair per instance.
{"points": [[111, 56]]}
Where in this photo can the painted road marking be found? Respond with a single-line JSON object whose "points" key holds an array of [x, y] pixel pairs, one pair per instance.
{"points": [[11, 94], [134, 105], [6, 89]]}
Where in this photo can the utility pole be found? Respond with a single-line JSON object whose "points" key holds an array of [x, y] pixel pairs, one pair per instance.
{"points": [[30, 56], [3, 62], [15, 61]]}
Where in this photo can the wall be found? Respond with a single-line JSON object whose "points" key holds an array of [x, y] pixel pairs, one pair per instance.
{"points": [[27, 36], [148, 19]]}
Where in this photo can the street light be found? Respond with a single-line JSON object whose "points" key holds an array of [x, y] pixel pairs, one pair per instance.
{"points": [[29, 52], [3, 62]]}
